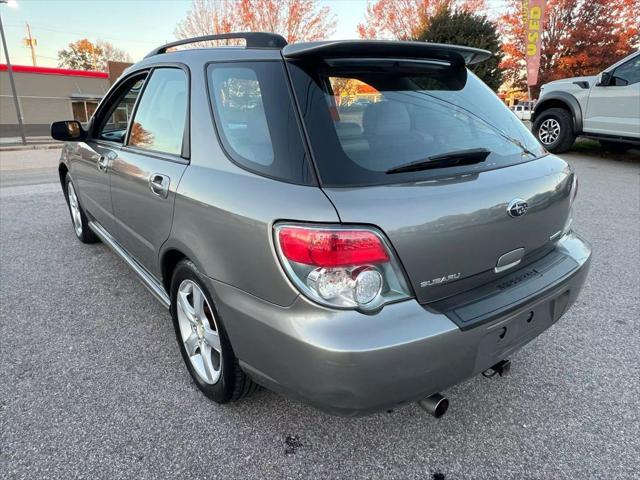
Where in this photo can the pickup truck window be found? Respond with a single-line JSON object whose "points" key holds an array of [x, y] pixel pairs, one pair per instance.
{"points": [[628, 73]]}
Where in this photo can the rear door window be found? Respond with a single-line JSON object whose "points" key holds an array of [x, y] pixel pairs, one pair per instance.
{"points": [[161, 116], [256, 121]]}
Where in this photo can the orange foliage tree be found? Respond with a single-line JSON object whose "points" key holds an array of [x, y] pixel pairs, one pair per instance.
{"points": [[296, 20], [580, 37], [406, 19]]}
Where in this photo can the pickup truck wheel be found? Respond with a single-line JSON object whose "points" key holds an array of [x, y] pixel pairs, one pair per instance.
{"points": [[203, 341], [554, 129], [614, 147], [78, 217]]}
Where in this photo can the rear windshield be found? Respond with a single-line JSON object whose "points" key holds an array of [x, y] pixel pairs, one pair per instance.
{"points": [[366, 117]]}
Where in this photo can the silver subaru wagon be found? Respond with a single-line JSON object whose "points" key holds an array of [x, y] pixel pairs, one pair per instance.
{"points": [[356, 224]]}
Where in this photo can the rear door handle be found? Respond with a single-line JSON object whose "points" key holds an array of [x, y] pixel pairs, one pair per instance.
{"points": [[159, 184]]}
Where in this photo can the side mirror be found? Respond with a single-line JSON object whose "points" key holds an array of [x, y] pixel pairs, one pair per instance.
{"points": [[605, 79], [68, 131]]}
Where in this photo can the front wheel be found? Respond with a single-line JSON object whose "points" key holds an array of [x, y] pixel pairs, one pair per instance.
{"points": [[554, 129], [203, 341]]}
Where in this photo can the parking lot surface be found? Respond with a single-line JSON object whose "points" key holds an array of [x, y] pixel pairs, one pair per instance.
{"points": [[92, 384]]}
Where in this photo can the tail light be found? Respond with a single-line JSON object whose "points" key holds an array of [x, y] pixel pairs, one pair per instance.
{"points": [[341, 267]]}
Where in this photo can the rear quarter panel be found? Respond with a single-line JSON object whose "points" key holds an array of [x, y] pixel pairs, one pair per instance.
{"points": [[224, 221]]}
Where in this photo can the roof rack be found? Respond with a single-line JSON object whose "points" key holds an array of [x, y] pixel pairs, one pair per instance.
{"points": [[252, 39]]}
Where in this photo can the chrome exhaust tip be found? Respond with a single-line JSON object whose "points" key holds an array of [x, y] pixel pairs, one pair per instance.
{"points": [[435, 405]]}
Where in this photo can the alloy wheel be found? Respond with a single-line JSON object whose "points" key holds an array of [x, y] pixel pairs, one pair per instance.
{"points": [[199, 332], [549, 131], [75, 209]]}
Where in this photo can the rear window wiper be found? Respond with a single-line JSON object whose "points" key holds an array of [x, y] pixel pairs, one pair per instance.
{"points": [[451, 159]]}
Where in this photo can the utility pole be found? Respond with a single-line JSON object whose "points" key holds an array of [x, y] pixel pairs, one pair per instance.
{"points": [[11, 80], [93, 55], [31, 42]]}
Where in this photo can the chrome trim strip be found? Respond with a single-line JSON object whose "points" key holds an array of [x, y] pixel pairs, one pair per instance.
{"points": [[506, 267], [555, 236], [145, 277]]}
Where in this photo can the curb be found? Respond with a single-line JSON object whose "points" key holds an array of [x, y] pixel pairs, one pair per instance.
{"points": [[32, 146]]}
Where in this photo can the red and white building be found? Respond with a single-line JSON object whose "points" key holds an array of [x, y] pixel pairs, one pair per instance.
{"points": [[50, 94]]}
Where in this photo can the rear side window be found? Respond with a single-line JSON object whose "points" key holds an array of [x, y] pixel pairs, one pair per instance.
{"points": [[160, 119], [256, 121]]}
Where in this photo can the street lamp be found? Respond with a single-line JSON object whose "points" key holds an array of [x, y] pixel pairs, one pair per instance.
{"points": [[12, 4]]}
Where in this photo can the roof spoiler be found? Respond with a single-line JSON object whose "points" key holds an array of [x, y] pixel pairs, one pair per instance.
{"points": [[252, 39], [385, 49]]}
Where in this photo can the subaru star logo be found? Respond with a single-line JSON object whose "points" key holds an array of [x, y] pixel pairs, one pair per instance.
{"points": [[517, 207]]}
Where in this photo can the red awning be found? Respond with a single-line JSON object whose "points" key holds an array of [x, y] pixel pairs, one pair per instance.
{"points": [[54, 71]]}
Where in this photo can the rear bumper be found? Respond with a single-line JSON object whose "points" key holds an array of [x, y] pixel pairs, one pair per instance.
{"points": [[348, 363]]}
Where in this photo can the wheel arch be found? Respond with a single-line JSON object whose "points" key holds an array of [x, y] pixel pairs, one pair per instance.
{"points": [[169, 258], [561, 100]]}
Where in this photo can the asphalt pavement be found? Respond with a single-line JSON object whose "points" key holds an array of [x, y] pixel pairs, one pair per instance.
{"points": [[92, 384]]}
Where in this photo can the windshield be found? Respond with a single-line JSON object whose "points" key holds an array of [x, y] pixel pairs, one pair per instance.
{"points": [[367, 117]]}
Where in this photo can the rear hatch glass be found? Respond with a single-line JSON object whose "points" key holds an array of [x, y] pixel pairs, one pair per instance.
{"points": [[366, 117]]}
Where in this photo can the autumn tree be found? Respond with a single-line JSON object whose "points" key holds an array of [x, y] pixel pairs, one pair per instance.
{"points": [[111, 53], [296, 20], [580, 37], [79, 55], [464, 28], [406, 19], [84, 55]]}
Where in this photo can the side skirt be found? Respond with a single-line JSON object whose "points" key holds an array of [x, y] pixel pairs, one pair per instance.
{"points": [[148, 280]]}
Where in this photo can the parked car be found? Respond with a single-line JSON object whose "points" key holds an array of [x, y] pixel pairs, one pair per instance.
{"points": [[357, 265], [605, 107], [522, 111]]}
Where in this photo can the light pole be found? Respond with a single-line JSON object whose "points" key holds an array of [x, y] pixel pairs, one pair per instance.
{"points": [[12, 3]]}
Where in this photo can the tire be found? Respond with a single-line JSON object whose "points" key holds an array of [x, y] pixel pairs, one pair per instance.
{"points": [[614, 147], [210, 360], [554, 130], [79, 219]]}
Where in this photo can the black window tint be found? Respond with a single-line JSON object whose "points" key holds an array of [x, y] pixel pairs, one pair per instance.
{"points": [[367, 118], [255, 119], [160, 118], [628, 73], [113, 124]]}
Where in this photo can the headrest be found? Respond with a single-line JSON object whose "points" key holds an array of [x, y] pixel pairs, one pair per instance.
{"points": [[179, 109], [348, 129], [257, 126], [387, 117]]}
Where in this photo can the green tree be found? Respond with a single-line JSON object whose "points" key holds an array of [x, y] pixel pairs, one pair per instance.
{"points": [[464, 28]]}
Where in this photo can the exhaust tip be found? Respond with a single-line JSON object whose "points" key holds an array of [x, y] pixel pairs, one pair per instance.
{"points": [[436, 405]]}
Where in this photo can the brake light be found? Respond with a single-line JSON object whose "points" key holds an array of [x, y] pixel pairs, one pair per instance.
{"points": [[331, 248], [341, 267]]}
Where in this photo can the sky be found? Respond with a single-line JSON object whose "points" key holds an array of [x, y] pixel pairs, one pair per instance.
{"points": [[136, 26]]}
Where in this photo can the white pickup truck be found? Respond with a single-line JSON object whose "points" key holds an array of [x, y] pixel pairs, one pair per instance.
{"points": [[605, 107]]}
